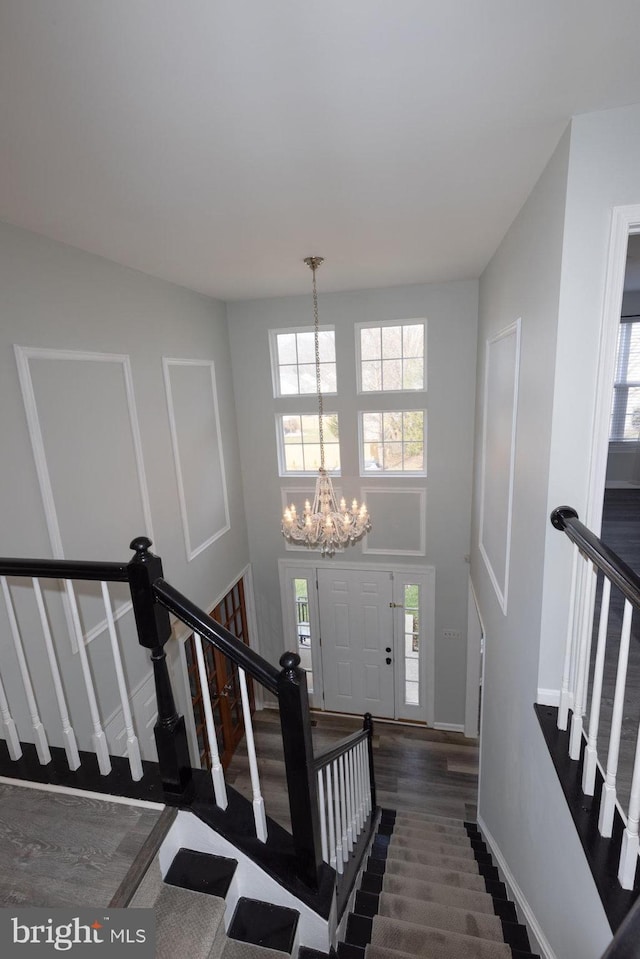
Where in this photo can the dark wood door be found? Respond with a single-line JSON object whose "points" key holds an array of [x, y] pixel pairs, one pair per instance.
{"points": [[223, 680]]}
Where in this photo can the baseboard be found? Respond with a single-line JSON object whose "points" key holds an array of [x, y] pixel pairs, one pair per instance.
{"points": [[517, 894], [548, 697], [450, 727]]}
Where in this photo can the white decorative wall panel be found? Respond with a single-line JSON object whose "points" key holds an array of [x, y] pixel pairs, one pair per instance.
{"points": [[197, 450], [498, 455], [398, 517], [86, 443]]}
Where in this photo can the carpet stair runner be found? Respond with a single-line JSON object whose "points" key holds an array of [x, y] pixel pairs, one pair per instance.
{"points": [[430, 889], [190, 905]]}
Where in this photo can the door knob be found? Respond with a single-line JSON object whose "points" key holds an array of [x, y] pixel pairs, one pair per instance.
{"points": [[388, 649], [388, 660]]}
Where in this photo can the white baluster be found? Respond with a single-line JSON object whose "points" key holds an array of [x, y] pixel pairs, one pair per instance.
{"points": [[591, 750], [630, 840], [332, 835], [566, 699], [347, 787], [361, 807], [354, 805], [357, 787], [608, 800], [575, 737], [336, 802], [70, 744], [133, 749], [98, 737], [40, 737], [323, 817], [343, 810], [13, 740], [217, 773], [367, 779], [258, 802]]}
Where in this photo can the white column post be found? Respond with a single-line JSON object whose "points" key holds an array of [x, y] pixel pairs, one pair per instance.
{"points": [[258, 802], [217, 773], [70, 744], [608, 800], [98, 737], [133, 748], [40, 737]]}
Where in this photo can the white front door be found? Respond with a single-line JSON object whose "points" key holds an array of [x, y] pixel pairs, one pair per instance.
{"points": [[356, 628]]}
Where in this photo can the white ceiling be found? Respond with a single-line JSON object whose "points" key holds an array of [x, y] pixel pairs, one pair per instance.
{"points": [[215, 143]]}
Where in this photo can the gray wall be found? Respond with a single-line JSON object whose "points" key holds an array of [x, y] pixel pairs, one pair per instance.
{"points": [[520, 801], [451, 312], [56, 297]]}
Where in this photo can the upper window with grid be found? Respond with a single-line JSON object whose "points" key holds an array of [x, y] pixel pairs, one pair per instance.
{"points": [[391, 356], [293, 360]]}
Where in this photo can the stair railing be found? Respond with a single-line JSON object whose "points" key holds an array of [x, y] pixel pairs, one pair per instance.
{"points": [[346, 769], [583, 677], [346, 794]]}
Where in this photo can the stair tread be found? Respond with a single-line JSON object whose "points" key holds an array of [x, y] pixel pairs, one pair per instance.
{"points": [[478, 900], [236, 949], [412, 857], [448, 875], [201, 872], [419, 940], [187, 923], [264, 924], [440, 916], [442, 846]]}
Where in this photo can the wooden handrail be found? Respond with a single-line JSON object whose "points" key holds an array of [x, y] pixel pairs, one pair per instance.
{"points": [[565, 519]]}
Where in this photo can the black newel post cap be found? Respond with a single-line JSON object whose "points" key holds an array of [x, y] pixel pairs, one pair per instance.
{"points": [[560, 515], [141, 545], [290, 662]]}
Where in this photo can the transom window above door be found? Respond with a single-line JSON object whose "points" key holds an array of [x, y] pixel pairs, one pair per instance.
{"points": [[391, 356], [293, 361]]}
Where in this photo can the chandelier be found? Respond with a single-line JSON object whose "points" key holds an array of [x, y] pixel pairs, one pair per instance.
{"points": [[324, 525]]}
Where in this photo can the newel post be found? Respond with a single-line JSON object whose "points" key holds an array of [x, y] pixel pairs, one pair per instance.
{"points": [[367, 724], [154, 629], [295, 721]]}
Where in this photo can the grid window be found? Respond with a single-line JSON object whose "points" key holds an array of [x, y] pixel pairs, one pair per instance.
{"points": [[294, 362], [412, 645], [393, 442], [625, 411], [392, 357], [299, 436]]}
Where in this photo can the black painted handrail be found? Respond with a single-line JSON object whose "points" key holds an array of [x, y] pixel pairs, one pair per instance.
{"points": [[565, 519], [343, 746], [64, 569], [206, 627]]}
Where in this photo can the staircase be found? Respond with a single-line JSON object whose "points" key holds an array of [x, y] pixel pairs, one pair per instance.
{"points": [[429, 889]]}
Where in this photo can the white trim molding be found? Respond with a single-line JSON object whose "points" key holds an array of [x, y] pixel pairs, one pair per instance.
{"points": [[517, 893], [548, 697], [24, 354], [397, 492], [194, 550], [624, 221], [500, 583]]}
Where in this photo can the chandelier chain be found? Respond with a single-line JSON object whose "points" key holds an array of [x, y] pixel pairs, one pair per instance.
{"points": [[316, 336]]}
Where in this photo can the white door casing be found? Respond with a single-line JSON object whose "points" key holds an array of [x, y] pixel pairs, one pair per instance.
{"points": [[400, 577]]}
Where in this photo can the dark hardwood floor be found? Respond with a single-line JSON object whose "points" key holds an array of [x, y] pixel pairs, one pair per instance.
{"points": [[416, 768]]}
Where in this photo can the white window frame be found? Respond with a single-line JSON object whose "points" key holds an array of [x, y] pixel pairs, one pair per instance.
{"points": [[379, 325], [283, 471], [275, 365], [382, 472]]}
